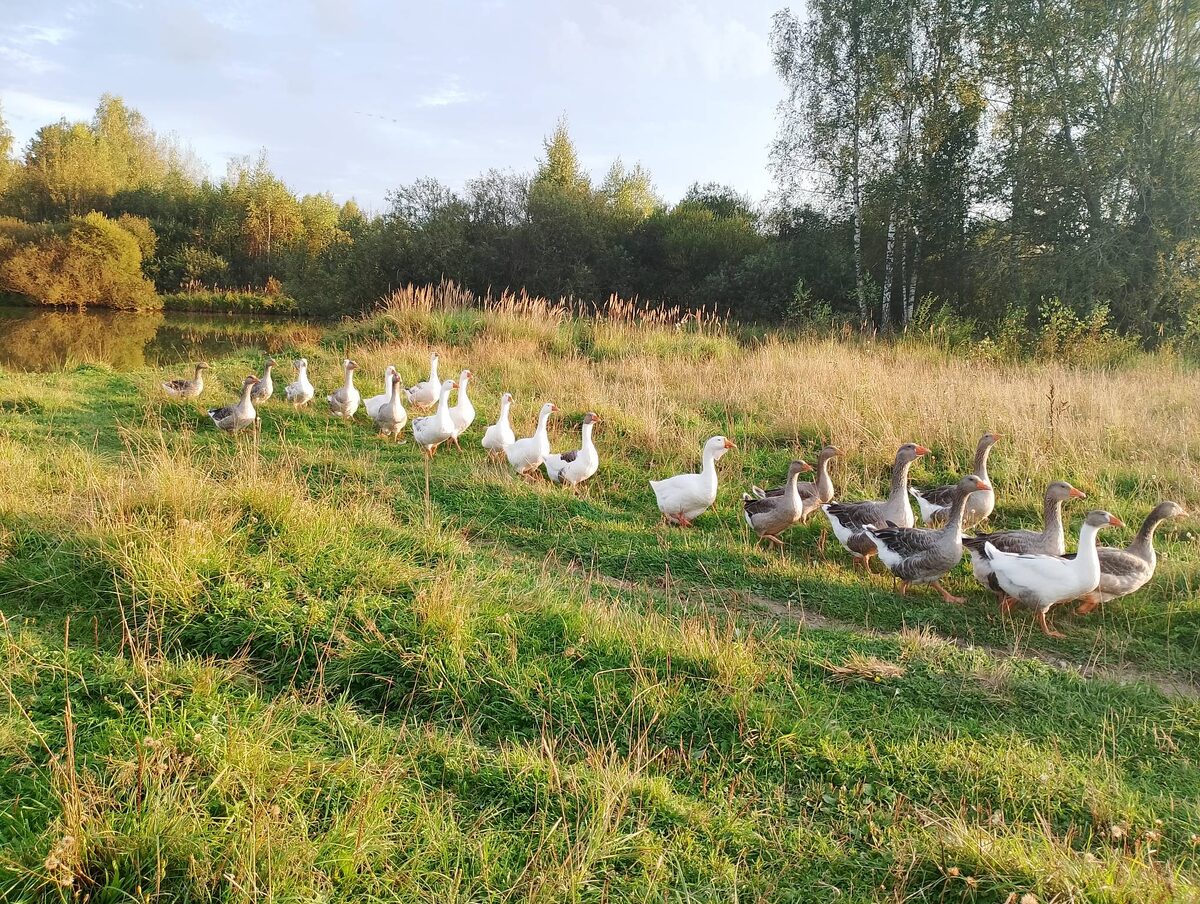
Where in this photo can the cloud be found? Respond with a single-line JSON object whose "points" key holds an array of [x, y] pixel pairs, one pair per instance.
{"points": [[29, 112], [448, 95]]}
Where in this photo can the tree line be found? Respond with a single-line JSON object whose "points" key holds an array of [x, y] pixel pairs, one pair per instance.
{"points": [[1002, 164]]}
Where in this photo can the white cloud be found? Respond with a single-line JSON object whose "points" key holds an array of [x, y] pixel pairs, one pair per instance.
{"points": [[448, 95], [22, 107]]}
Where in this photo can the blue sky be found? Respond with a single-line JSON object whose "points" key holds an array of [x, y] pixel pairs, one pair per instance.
{"points": [[359, 96]]}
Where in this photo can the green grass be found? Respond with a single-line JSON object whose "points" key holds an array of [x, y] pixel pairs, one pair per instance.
{"points": [[276, 668]]}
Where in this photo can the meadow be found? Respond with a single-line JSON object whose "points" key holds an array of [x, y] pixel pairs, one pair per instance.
{"points": [[304, 665]]}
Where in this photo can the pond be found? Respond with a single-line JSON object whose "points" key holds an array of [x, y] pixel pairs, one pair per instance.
{"points": [[41, 339]]}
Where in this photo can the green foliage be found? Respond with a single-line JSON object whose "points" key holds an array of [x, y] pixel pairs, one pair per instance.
{"points": [[89, 260], [228, 301]]}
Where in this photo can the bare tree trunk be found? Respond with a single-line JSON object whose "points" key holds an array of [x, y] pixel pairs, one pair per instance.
{"points": [[860, 291], [889, 265], [910, 292]]}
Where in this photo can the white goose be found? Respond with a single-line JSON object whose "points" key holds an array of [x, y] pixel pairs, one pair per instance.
{"points": [[430, 432], [344, 402], [575, 467], [375, 402], [1039, 582], [463, 412], [526, 455], [426, 393], [300, 391], [499, 436], [685, 497], [391, 417]]}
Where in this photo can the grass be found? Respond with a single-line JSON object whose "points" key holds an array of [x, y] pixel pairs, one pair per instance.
{"points": [[277, 668]]}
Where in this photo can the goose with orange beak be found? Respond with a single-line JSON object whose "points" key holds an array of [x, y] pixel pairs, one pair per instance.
{"points": [[935, 502], [573, 468], [921, 555], [1040, 582], [685, 497]]}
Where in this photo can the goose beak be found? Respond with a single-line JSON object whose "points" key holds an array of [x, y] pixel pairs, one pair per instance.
{"points": [[806, 469], [997, 436], [1077, 494], [982, 485], [454, 384], [553, 409], [729, 444], [1115, 521], [922, 450]]}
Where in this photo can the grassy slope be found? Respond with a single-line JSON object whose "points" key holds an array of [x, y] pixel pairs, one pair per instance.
{"points": [[291, 673]]}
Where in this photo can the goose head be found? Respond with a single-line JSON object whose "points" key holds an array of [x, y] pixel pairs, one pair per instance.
{"points": [[970, 484], [300, 363], [449, 385], [828, 452], [270, 363], [1165, 510], [349, 365], [463, 377], [718, 446], [202, 365], [798, 467], [910, 452], [506, 399], [1100, 518], [591, 418], [548, 409], [990, 439], [1061, 491], [249, 381]]}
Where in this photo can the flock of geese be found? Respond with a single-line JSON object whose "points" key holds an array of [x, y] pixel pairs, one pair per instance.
{"points": [[1029, 568]]}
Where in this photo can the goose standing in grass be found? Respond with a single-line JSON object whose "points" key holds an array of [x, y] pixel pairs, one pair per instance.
{"points": [[426, 393], [573, 468], [1049, 541], [391, 417], [499, 436], [935, 502], [685, 497], [462, 414], [186, 390], [1123, 571], [300, 391], [233, 418], [1039, 582], [433, 430], [526, 455], [344, 402], [265, 387], [814, 492], [921, 555], [375, 402], [771, 515], [849, 519]]}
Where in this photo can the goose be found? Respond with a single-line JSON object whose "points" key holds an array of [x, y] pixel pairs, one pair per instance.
{"points": [[344, 402], [1048, 541], [375, 402], [1039, 581], [685, 497], [462, 414], [233, 418], [499, 436], [427, 392], [1122, 571], [265, 387], [433, 430], [185, 390], [391, 417], [921, 555], [848, 519], [814, 492], [575, 467], [300, 391], [935, 502], [772, 515], [526, 455]]}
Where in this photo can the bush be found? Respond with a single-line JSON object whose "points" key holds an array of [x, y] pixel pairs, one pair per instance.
{"points": [[224, 301], [89, 260]]}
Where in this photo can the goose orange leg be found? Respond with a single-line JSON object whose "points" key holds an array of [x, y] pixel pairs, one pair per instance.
{"points": [[947, 596], [1088, 603]]}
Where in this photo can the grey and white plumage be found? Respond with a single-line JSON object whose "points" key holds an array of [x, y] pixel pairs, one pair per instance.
{"points": [[426, 393], [434, 429], [1050, 540], [770, 516], [232, 418], [185, 390], [265, 387], [345, 401], [814, 492], [578, 465], [849, 519], [935, 502], [1125, 571], [390, 417], [922, 555], [300, 391]]}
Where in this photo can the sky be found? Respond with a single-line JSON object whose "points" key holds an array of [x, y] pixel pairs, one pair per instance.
{"points": [[360, 96]]}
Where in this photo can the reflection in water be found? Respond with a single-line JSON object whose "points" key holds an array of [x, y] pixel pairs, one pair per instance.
{"points": [[36, 339]]}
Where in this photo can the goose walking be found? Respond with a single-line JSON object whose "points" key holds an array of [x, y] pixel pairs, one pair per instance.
{"points": [[1039, 582], [499, 436], [685, 497], [921, 555], [426, 393], [850, 519], [462, 413], [344, 402], [573, 468], [391, 417], [814, 492], [185, 390], [265, 387], [1049, 541], [433, 430], [375, 402], [1123, 571], [233, 418], [526, 455], [300, 391], [935, 502], [773, 514]]}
